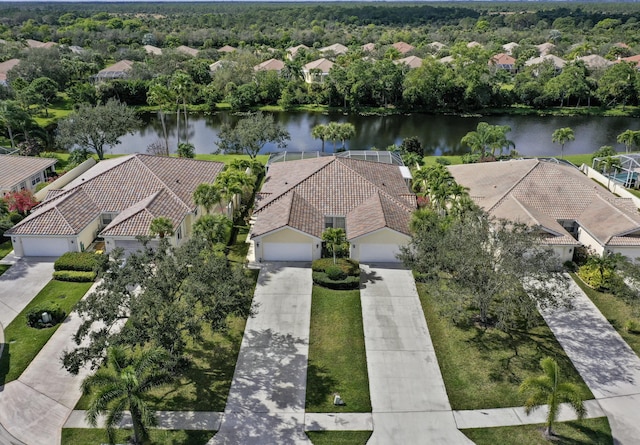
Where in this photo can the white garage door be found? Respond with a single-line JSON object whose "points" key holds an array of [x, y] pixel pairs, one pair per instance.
{"points": [[379, 253], [286, 252], [44, 246], [129, 246]]}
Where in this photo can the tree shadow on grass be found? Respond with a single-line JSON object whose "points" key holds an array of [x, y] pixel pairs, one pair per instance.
{"points": [[320, 386]]}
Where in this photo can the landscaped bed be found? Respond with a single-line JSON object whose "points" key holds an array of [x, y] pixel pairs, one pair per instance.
{"points": [[339, 437], [480, 366], [587, 431], [23, 342], [80, 436], [337, 359]]}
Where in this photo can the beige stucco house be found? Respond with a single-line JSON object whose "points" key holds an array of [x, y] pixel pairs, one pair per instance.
{"points": [[24, 172]]}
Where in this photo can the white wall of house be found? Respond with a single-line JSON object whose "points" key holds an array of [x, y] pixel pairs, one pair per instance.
{"points": [[88, 234], [586, 239], [287, 244], [381, 246], [631, 252], [565, 253]]}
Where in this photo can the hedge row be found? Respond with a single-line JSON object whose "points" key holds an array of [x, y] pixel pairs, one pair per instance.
{"points": [[74, 275], [350, 282], [349, 266], [79, 261]]}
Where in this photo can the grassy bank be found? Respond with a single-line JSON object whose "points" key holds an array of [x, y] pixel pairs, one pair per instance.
{"points": [[585, 432], [81, 436], [337, 360], [23, 342], [339, 437], [5, 248], [483, 368]]}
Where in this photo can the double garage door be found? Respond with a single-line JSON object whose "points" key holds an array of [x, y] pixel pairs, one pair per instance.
{"points": [[287, 252]]}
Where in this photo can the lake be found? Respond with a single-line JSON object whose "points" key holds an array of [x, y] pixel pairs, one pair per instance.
{"points": [[439, 134]]}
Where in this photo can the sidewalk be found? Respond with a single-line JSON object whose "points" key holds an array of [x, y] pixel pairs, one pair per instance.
{"points": [[606, 363], [408, 397], [267, 397]]}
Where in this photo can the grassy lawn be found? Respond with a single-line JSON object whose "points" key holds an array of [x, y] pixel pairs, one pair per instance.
{"points": [[480, 366], [81, 436], [587, 431], [337, 360], [239, 249], [339, 437], [227, 158], [579, 159], [24, 342], [4, 268], [616, 311], [5, 248]]}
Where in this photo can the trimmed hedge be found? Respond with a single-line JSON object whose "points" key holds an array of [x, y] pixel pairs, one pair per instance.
{"points": [[79, 261], [343, 275], [350, 282], [34, 316], [74, 276], [347, 265]]}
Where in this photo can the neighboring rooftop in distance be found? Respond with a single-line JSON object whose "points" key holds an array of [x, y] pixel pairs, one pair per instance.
{"points": [[403, 47]]}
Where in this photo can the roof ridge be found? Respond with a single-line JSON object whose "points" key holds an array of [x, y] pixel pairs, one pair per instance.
{"points": [[619, 211], [515, 184], [540, 224], [164, 184]]}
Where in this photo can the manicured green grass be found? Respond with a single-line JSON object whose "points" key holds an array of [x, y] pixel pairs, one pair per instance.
{"points": [[454, 160], [587, 431], [634, 192], [578, 160], [227, 158], [4, 268], [339, 437], [483, 368], [81, 436], [337, 360], [239, 249], [23, 342], [5, 248], [616, 311]]}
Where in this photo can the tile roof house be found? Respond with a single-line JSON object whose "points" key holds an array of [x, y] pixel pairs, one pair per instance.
{"points": [[118, 70], [368, 47], [403, 47], [23, 172], [293, 51], [503, 61], [226, 49], [153, 50], [316, 71], [411, 61], [557, 62], [5, 67], [335, 49], [188, 50], [568, 208], [509, 47], [301, 198], [633, 59], [436, 45], [270, 65], [474, 44], [595, 62], [116, 199], [38, 44], [545, 48]]}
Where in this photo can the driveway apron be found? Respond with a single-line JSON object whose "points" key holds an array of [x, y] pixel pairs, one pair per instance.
{"points": [[606, 363], [408, 396], [267, 397]]}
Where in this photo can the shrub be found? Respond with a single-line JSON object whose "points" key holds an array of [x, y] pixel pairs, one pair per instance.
{"points": [[34, 316], [570, 266], [74, 276], [15, 217], [80, 261], [335, 273], [443, 161], [349, 266], [350, 282], [632, 326]]}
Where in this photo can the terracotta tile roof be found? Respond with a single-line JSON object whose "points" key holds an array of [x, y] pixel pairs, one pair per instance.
{"points": [[411, 61], [595, 61], [226, 49], [545, 48], [270, 65], [541, 193], [300, 193], [502, 59], [123, 184], [336, 48], [368, 47], [403, 47], [6, 66], [557, 61], [15, 169], [187, 50], [117, 69], [150, 49], [294, 49], [323, 65]]}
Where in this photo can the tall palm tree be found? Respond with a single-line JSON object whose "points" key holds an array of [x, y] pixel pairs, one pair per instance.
{"points": [[333, 133], [562, 136], [487, 138], [548, 389], [346, 132], [182, 86], [319, 132], [159, 95], [120, 386], [213, 228], [207, 196], [629, 138], [161, 227]]}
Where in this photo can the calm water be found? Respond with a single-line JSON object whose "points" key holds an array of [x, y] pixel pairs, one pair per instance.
{"points": [[439, 134]]}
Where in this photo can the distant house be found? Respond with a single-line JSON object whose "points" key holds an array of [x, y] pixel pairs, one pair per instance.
{"points": [[411, 61], [23, 172], [118, 70], [335, 49], [75, 49], [621, 45], [437, 46], [187, 50], [446, 59], [557, 62], [503, 61], [38, 44], [509, 47], [403, 47], [116, 200], [226, 49], [545, 48], [595, 62], [153, 50], [5, 67], [316, 71], [300, 199], [567, 208], [368, 47], [474, 44], [293, 51], [633, 59], [270, 65]]}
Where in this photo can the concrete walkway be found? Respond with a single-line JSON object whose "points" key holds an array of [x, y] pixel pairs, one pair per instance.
{"points": [[36, 406], [606, 363], [267, 396], [408, 396]]}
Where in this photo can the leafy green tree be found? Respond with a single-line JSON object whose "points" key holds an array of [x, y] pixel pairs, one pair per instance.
{"points": [[94, 127], [186, 150], [213, 228], [617, 85], [604, 151], [335, 240], [550, 390], [319, 132], [15, 120], [562, 136], [161, 226], [346, 131], [121, 385], [412, 145], [251, 134], [46, 91], [487, 139], [207, 196], [629, 138]]}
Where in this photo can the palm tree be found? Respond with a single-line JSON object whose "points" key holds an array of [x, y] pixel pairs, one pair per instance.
{"points": [[182, 86], [333, 133], [160, 96], [213, 228], [161, 227], [335, 239], [547, 389], [629, 138], [319, 132], [207, 196], [120, 385], [346, 132], [487, 138], [562, 136]]}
